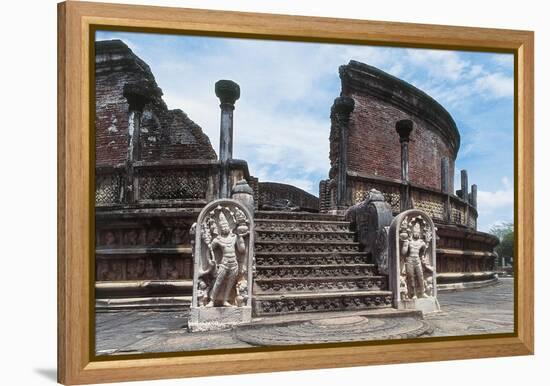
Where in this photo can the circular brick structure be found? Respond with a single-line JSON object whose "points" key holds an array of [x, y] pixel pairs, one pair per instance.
{"points": [[381, 100], [413, 168]]}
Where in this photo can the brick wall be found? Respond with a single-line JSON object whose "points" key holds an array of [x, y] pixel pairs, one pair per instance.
{"points": [[164, 134], [373, 144]]}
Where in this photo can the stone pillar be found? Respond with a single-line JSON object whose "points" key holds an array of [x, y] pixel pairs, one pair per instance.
{"points": [[228, 92], [444, 175], [342, 108], [404, 128], [137, 95], [473, 196], [464, 194], [464, 184], [445, 188]]}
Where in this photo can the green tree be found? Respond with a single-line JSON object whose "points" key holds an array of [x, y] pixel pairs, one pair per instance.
{"points": [[505, 233]]}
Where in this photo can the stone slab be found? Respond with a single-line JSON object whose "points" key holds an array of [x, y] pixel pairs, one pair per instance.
{"points": [[427, 305], [218, 318]]}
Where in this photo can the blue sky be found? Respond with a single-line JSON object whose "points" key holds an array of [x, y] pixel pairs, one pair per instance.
{"points": [[282, 118]]}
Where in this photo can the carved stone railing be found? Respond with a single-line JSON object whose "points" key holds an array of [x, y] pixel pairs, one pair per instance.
{"points": [[167, 182], [109, 182], [442, 207]]}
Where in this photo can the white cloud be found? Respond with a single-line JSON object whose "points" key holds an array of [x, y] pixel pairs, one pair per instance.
{"points": [[490, 201], [495, 207], [495, 85], [504, 60], [439, 64]]}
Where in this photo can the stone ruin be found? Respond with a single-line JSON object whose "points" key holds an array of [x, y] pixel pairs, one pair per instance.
{"points": [[271, 248]]}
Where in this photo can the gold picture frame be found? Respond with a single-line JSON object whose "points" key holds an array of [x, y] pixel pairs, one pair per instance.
{"points": [[77, 21]]}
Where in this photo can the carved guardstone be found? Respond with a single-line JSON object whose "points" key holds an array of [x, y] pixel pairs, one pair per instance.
{"points": [[412, 261], [371, 220], [223, 255]]}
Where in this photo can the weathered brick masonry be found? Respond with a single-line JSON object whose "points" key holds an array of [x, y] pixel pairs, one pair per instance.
{"points": [[147, 201], [373, 146], [164, 134]]}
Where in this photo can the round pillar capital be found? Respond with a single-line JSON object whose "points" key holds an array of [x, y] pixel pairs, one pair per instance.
{"points": [[343, 105], [228, 91], [404, 128]]}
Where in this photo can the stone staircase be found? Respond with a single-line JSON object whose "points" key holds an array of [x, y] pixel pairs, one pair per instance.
{"points": [[309, 262]]}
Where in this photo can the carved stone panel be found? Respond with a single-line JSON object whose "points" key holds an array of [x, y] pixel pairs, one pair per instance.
{"points": [[371, 219], [223, 256], [412, 261]]}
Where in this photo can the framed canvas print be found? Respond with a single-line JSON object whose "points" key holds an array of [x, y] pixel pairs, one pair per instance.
{"points": [[249, 192]]}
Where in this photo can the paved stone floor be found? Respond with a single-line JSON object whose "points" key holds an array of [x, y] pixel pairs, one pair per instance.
{"points": [[488, 310], [476, 311]]}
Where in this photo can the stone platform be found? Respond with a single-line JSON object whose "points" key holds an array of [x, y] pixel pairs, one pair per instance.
{"points": [[347, 327], [479, 311]]}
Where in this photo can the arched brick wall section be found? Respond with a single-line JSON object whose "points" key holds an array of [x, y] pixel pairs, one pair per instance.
{"points": [[373, 144]]}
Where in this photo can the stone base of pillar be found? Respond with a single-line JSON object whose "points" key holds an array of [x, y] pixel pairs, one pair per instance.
{"points": [[426, 305], [218, 318]]}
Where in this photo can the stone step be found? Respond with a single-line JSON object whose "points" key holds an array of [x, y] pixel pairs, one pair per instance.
{"points": [[267, 259], [306, 246], [311, 271], [321, 302], [303, 236], [285, 215], [320, 284], [287, 225]]}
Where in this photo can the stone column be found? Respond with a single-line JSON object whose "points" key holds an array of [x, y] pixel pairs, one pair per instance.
{"points": [[445, 187], [342, 107], [137, 95], [404, 128], [465, 194], [464, 184], [473, 196], [228, 92], [444, 175]]}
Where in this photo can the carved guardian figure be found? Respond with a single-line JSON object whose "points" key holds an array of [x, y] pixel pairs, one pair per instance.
{"points": [[413, 251], [227, 271], [412, 261], [223, 256]]}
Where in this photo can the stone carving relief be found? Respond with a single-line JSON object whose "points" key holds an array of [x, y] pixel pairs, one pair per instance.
{"points": [[223, 256], [413, 261], [172, 185], [108, 188], [348, 303], [371, 219]]}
